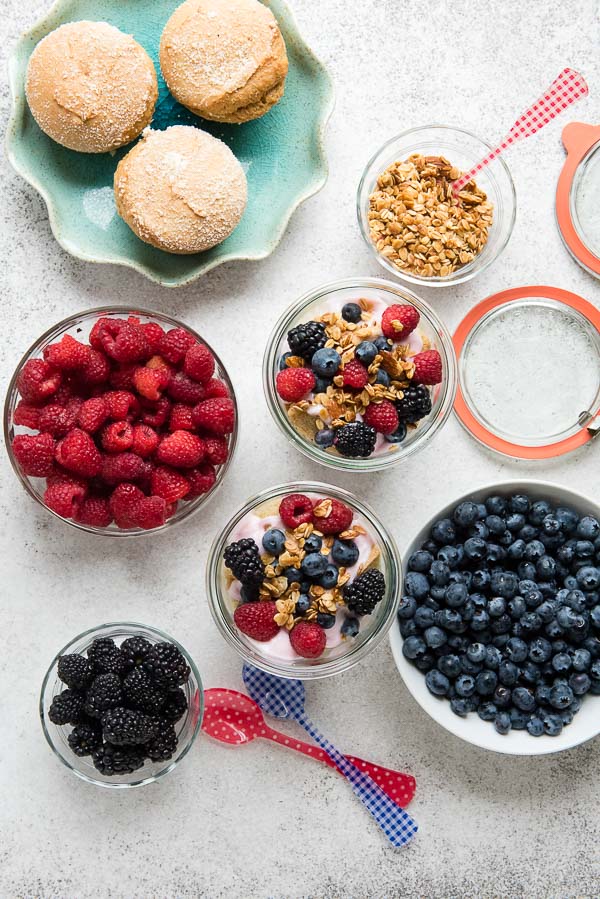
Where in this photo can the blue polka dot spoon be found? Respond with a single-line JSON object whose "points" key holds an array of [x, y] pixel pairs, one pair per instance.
{"points": [[283, 698]]}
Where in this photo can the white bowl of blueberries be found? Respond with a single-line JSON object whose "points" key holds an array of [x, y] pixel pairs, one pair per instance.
{"points": [[498, 630]]}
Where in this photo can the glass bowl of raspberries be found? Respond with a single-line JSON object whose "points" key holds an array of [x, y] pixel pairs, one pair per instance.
{"points": [[303, 580], [120, 422], [121, 705], [359, 374]]}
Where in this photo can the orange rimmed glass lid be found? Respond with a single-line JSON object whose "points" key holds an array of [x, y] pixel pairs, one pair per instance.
{"points": [[578, 195], [529, 372]]}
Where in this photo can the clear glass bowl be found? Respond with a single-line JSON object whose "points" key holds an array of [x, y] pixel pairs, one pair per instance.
{"points": [[463, 150], [187, 727], [347, 653], [79, 327], [335, 295]]}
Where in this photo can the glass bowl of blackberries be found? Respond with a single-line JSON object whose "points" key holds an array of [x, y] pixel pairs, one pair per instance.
{"points": [[498, 629], [121, 705]]}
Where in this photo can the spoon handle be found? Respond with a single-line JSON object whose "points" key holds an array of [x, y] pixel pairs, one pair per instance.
{"points": [[396, 824], [398, 786]]}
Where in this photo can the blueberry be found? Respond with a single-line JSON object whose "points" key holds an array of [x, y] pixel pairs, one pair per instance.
{"points": [[588, 578], [487, 711], [561, 696], [273, 541], [486, 682], [466, 514], [516, 550], [551, 524], [346, 553], [526, 570], [568, 520], [434, 637], [516, 650], [534, 550], [495, 524], [553, 724], [413, 647], [518, 719], [482, 511], [443, 531], [476, 652], [481, 579], [515, 521], [407, 607], [502, 625], [523, 699], [325, 620], [493, 657], [326, 362], [531, 623], [574, 599], [383, 378], [540, 650], [293, 575], [424, 617], [437, 683], [519, 503], [565, 553], [302, 604], [546, 611], [502, 722], [495, 505], [439, 574], [408, 628], [283, 361], [517, 607], [502, 697], [561, 662], [505, 584], [496, 607], [451, 556], [553, 629], [545, 568], [475, 549], [313, 543], [398, 435], [456, 595], [495, 553], [580, 683], [466, 578], [313, 565], [461, 707], [584, 549], [351, 312], [480, 620], [465, 685], [581, 660], [566, 617], [416, 584], [508, 673], [383, 343], [449, 665], [365, 352], [531, 673], [329, 578], [325, 438], [535, 726], [538, 512], [350, 627], [588, 528], [458, 643], [321, 385], [437, 593]]}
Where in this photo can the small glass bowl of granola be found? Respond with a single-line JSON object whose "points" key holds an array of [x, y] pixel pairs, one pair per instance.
{"points": [[359, 374], [410, 219], [303, 581]]}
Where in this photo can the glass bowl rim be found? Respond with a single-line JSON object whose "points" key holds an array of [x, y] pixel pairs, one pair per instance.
{"points": [[193, 506], [373, 463], [97, 630], [348, 659], [468, 271]]}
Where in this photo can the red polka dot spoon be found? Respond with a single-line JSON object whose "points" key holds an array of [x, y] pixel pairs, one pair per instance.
{"points": [[234, 718]]}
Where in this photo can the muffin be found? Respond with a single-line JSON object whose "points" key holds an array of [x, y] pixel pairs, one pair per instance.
{"points": [[90, 87], [224, 60], [180, 190]]}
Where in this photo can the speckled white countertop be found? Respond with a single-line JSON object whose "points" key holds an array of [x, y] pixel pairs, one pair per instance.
{"points": [[257, 821]]}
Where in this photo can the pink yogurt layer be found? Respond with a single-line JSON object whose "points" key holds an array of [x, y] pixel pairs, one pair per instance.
{"points": [[253, 526]]}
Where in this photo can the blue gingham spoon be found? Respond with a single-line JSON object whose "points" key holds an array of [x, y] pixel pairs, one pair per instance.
{"points": [[284, 698]]}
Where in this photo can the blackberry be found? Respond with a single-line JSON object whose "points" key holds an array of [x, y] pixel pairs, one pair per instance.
{"points": [[111, 760], [134, 650], [75, 671], [122, 726], [304, 340], [142, 693], [166, 665], [104, 693], [66, 708], [365, 591], [85, 738], [243, 558], [415, 404], [106, 657], [355, 439], [175, 706], [162, 746]]}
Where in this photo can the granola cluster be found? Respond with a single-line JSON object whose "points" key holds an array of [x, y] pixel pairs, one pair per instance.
{"points": [[417, 222]]}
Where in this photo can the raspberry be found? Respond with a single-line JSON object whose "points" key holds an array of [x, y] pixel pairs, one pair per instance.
{"points": [[157, 414], [94, 511], [124, 505], [123, 467], [26, 416], [117, 437], [65, 498], [120, 403], [181, 450], [97, 368], [64, 393], [92, 414], [150, 382], [151, 513], [122, 377], [257, 620], [175, 344], [397, 322], [126, 343], [58, 420], [428, 367], [295, 509], [145, 441], [201, 479], [308, 639], [169, 484], [216, 415], [154, 335], [199, 363], [182, 389], [217, 450], [37, 381], [104, 326], [293, 384], [339, 518], [34, 454], [77, 452], [181, 418], [355, 375], [214, 388], [68, 355], [381, 416]]}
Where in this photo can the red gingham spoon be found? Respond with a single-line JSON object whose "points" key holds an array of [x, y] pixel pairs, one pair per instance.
{"points": [[564, 90], [234, 718]]}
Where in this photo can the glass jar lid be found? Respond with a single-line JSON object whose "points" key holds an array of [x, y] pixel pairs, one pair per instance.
{"points": [[578, 195], [529, 372]]}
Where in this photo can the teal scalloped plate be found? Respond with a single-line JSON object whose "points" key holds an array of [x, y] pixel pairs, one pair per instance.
{"points": [[282, 153]]}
